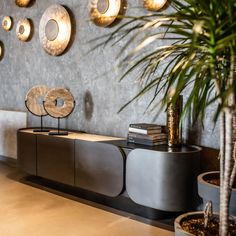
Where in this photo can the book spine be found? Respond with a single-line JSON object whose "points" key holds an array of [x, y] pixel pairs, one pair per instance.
{"points": [[138, 126], [146, 127], [149, 137], [146, 142], [144, 131]]}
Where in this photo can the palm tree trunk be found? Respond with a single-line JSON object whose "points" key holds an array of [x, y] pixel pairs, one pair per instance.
{"points": [[227, 168], [222, 161], [224, 207], [233, 174]]}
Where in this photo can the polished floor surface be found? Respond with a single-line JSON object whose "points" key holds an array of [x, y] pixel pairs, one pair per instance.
{"points": [[29, 211]]}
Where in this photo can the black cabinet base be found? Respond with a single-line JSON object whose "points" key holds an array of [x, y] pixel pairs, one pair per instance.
{"points": [[122, 203]]}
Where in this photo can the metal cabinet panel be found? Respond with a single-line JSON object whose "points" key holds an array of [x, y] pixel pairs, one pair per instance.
{"points": [[26, 152], [163, 180], [55, 158], [99, 167]]}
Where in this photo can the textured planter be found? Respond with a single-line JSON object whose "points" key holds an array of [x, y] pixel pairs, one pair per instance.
{"points": [[179, 231], [211, 192], [190, 215], [185, 217]]}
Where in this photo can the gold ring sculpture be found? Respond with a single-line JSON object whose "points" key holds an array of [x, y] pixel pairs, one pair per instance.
{"points": [[104, 12], [7, 23], [59, 110], [22, 3], [23, 29], [154, 5], [32, 100], [55, 30]]}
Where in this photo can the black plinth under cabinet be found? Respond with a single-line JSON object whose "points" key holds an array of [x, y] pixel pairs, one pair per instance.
{"points": [[55, 158], [99, 167]]}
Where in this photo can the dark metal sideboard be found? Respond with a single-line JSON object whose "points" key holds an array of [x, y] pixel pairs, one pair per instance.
{"points": [[156, 177]]}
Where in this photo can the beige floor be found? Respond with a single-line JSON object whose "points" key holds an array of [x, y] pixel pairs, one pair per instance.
{"points": [[28, 211]]}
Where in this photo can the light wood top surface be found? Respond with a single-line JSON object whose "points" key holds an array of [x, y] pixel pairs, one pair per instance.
{"points": [[81, 136]]}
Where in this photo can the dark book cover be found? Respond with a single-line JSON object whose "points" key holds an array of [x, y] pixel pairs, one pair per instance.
{"points": [[147, 142], [145, 126], [148, 136], [145, 131]]}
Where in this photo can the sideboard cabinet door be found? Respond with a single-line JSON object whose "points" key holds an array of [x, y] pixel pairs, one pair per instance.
{"points": [[26, 152], [99, 167], [164, 180], [55, 158]]}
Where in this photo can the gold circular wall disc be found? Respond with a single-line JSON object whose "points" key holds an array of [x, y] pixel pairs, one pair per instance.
{"points": [[1, 50], [23, 29], [22, 3], [104, 12], [7, 23], [59, 110], [55, 30], [33, 97], [154, 5]]}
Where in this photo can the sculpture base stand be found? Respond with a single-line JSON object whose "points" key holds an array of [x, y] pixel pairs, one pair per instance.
{"points": [[58, 132], [41, 129]]}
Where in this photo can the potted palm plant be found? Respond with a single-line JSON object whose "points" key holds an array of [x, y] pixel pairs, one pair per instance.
{"points": [[198, 58], [209, 189]]}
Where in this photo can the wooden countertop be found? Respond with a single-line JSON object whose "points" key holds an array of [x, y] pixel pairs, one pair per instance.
{"points": [[75, 135]]}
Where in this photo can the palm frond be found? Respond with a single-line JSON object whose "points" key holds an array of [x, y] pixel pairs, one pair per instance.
{"points": [[194, 54]]}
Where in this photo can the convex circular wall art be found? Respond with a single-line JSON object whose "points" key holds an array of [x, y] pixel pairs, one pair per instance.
{"points": [[34, 100], [7, 23], [154, 5], [52, 105], [22, 3], [104, 12], [1, 50], [55, 30], [23, 29]]}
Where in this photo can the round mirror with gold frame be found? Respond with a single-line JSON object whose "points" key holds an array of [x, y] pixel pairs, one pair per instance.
{"points": [[22, 3], [7, 23], [105, 12], [55, 30], [23, 29], [154, 5]]}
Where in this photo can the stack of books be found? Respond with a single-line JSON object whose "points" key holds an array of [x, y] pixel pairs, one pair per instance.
{"points": [[147, 134]]}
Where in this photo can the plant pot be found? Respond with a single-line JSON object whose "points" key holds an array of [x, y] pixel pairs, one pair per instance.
{"points": [[179, 231], [212, 230], [211, 192], [178, 228]]}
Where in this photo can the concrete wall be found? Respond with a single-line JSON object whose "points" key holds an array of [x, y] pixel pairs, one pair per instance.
{"points": [[10, 122], [89, 77]]}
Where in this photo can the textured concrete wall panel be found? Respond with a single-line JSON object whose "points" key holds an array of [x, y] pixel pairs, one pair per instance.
{"points": [[90, 77]]}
